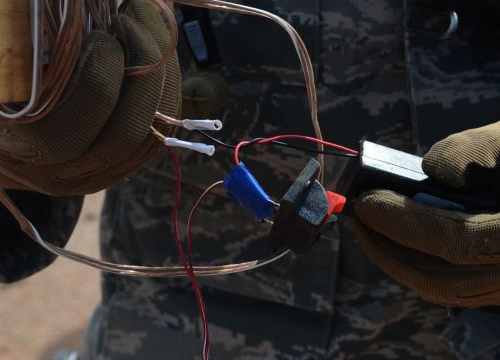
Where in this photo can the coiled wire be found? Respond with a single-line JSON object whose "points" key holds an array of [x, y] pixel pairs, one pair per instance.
{"points": [[63, 24], [58, 29], [130, 270], [60, 26]]}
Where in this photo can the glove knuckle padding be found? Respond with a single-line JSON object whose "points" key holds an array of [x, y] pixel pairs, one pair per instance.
{"points": [[145, 15], [134, 114], [449, 159], [169, 103], [129, 124], [456, 237], [69, 130], [150, 19]]}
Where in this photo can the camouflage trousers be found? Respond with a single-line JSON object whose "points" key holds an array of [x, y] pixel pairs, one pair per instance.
{"points": [[245, 328], [131, 326]]}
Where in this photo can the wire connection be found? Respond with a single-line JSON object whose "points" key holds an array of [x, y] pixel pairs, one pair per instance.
{"points": [[245, 190], [277, 143], [296, 137], [191, 124]]}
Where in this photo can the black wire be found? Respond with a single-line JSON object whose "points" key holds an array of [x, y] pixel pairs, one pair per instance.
{"points": [[278, 143]]}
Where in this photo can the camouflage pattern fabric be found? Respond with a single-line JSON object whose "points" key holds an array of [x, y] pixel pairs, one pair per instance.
{"points": [[332, 303], [456, 77]]}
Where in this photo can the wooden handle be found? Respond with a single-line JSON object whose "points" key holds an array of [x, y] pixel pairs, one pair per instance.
{"points": [[16, 51]]}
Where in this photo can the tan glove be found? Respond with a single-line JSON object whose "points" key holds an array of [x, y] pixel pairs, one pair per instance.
{"points": [[100, 132], [448, 257]]}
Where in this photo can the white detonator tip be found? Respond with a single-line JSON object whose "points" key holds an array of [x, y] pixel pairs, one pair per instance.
{"points": [[203, 148], [207, 124], [199, 147]]}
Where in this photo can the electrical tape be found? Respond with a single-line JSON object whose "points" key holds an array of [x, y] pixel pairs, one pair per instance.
{"points": [[244, 189]]}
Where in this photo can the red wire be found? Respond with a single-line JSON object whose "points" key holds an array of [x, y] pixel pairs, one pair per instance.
{"points": [[190, 248], [297, 137], [189, 266], [180, 250]]}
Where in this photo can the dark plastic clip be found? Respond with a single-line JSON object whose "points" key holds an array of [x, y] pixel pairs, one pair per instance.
{"points": [[305, 212], [380, 167]]}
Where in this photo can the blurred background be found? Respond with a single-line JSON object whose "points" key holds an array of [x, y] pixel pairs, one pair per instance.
{"points": [[51, 309]]}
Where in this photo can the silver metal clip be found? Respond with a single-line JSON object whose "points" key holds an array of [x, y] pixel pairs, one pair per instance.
{"points": [[436, 23]]}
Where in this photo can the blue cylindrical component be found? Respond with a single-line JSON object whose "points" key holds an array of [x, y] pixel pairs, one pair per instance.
{"points": [[244, 189]]}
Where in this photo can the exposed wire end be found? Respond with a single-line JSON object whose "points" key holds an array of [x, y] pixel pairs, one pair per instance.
{"points": [[168, 119], [266, 221], [157, 134], [191, 124]]}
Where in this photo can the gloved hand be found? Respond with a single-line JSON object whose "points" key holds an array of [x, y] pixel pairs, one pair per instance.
{"points": [[448, 257], [98, 134]]}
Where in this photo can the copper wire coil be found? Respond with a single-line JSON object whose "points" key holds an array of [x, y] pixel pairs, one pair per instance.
{"points": [[62, 26]]}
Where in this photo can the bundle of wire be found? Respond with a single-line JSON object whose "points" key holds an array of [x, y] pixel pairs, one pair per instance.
{"points": [[60, 25], [58, 29], [65, 22]]}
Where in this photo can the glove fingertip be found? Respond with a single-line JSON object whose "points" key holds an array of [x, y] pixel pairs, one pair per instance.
{"points": [[376, 199]]}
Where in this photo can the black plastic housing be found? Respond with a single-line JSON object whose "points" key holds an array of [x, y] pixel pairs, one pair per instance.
{"points": [[381, 167], [303, 209]]}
